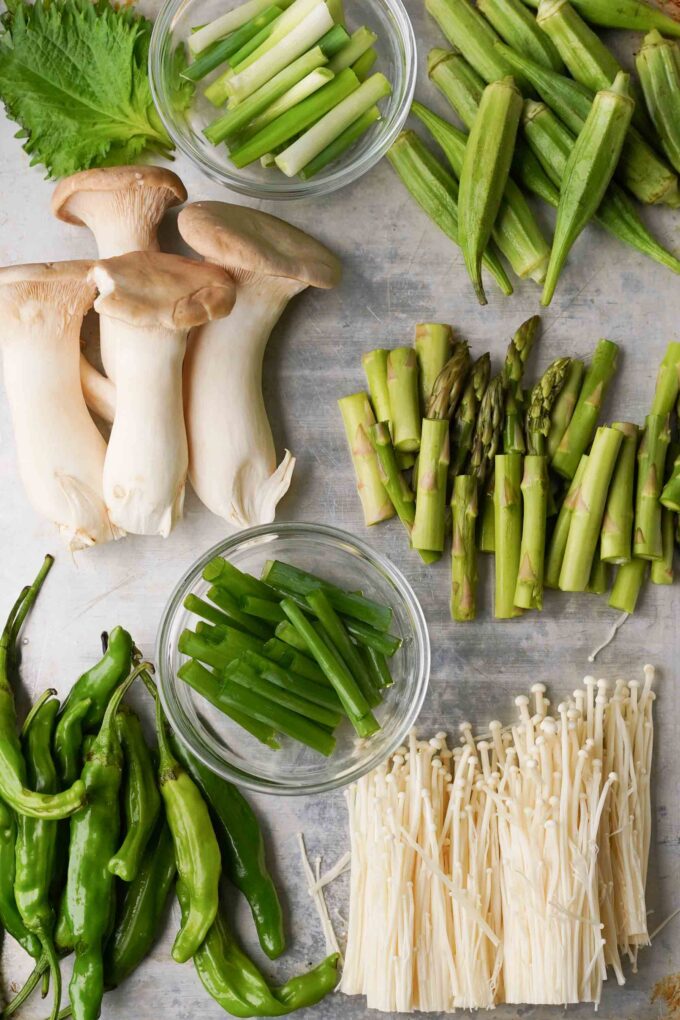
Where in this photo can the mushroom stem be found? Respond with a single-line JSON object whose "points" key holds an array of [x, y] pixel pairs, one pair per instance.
{"points": [[99, 392], [232, 457]]}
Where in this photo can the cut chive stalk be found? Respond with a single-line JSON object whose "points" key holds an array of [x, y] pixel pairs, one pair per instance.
{"points": [[222, 50], [347, 603], [229, 639], [320, 694], [359, 43], [244, 675], [209, 687], [196, 646], [281, 55], [342, 143], [298, 119], [287, 633], [228, 23], [378, 640], [315, 140], [376, 663], [310, 84], [338, 637], [228, 613], [225, 575], [296, 661], [364, 65]]}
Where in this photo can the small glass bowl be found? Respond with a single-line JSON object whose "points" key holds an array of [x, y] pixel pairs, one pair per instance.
{"points": [[396, 46], [230, 751]]}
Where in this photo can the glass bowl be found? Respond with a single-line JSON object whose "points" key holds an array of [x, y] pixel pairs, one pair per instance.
{"points": [[396, 48], [230, 751]]}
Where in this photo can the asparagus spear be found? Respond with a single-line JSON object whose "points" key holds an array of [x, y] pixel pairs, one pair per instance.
{"points": [[448, 386], [617, 528], [464, 420], [464, 551], [402, 386], [516, 356], [396, 486], [628, 584], [488, 429], [508, 531], [670, 497], [430, 521], [433, 344], [563, 408], [558, 542], [586, 521], [662, 570], [598, 582], [581, 428], [543, 397], [647, 540], [375, 369], [357, 416], [487, 527]]}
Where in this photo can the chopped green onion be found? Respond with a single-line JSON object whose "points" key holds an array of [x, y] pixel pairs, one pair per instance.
{"points": [[364, 65], [278, 574], [291, 18], [359, 42], [302, 90], [220, 51], [341, 144], [209, 687], [229, 22]]}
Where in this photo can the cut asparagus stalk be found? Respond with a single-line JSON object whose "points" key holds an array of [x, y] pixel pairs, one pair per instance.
{"points": [[508, 532], [662, 570], [563, 408], [402, 386], [365, 64], [581, 428], [396, 486], [375, 369], [616, 540], [310, 84], [543, 398], [670, 497], [587, 516], [340, 145], [488, 430], [647, 538], [668, 381], [358, 418], [487, 527], [464, 548], [289, 124], [326, 130], [468, 31], [516, 357], [228, 23], [223, 49], [449, 384], [529, 587], [231, 122], [558, 542], [515, 231], [465, 418], [598, 582], [429, 526], [433, 344], [359, 42], [518, 28], [627, 586], [436, 192]]}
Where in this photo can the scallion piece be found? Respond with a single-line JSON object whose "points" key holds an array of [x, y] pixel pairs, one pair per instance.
{"points": [[342, 143], [359, 42], [222, 50], [209, 687], [277, 573], [228, 23], [244, 675]]}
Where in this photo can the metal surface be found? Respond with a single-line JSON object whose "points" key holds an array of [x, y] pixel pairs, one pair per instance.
{"points": [[398, 270]]}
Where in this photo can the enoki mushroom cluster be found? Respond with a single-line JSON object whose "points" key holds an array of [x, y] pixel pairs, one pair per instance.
{"points": [[511, 868]]}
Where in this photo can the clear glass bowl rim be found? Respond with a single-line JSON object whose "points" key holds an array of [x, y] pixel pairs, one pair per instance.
{"points": [[365, 764], [282, 190]]}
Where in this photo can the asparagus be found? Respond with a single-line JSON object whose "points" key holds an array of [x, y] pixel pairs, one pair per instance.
{"points": [[487, 527], [375, 369], [558, 542], [396, 486], [449, 384], [465, 418], [598, 582], [586, 521], [433, 345], [617, 528], [464, 552], [543, 397], [647, 538], [516, 356], [402, 386], [627, 585], [670, 497], [662, 570], [668, 381], [508, 531], [358, 418], [430, 520], [564, 406], [581, 428], [436, 192], [488, 429]]}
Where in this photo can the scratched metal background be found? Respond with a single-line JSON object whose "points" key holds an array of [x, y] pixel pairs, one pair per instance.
{"points": [[398, 270]]}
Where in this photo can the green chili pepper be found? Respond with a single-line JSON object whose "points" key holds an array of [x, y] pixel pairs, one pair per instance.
{"points": [[36, 844], [10, 918], [196, 849], [243, 851], [89, 897], [142, 909], [99, 682], [68, 741], [485, 171], [141, 798], [588, 172], [12, 768]]}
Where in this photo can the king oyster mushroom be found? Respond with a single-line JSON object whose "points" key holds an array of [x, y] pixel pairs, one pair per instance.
{"points": [[148, 302], [232, 458], [59, 448]]}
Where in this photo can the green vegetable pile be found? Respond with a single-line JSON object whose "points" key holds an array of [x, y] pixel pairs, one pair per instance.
{"points": [[289, 653], [528, 474], [97, 829], [596, 140], [73, 75]]}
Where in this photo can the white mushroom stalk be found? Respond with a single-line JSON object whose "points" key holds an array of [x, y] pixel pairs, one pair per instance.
{"points": [[123, 207], [511, 869], [232, 456], [149, 302], [59, 448]]}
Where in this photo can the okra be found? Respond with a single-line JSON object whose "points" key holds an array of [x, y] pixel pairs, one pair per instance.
{"points": [[586, 56], [641, 170], [552, 144], [485, 171], [463, 88], [436, 192], [637, 15], [466, 29], [515, 231], [659, 70], [589, 171], [519, 28]]}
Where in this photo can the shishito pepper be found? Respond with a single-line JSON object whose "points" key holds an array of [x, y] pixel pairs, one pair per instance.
{"points": [[141, 798], [10, 918]]}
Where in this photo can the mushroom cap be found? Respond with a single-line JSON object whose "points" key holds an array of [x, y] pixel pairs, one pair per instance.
{"points": [[115, 178], [45, 272], [155, 289], [45, 283], [246, 240]]}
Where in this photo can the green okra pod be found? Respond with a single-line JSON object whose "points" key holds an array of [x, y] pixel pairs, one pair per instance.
{"points": [[485, 171], [636, 15], [465, 28], [518, 28], [658, 66], [436, 192], [588, 173]]}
